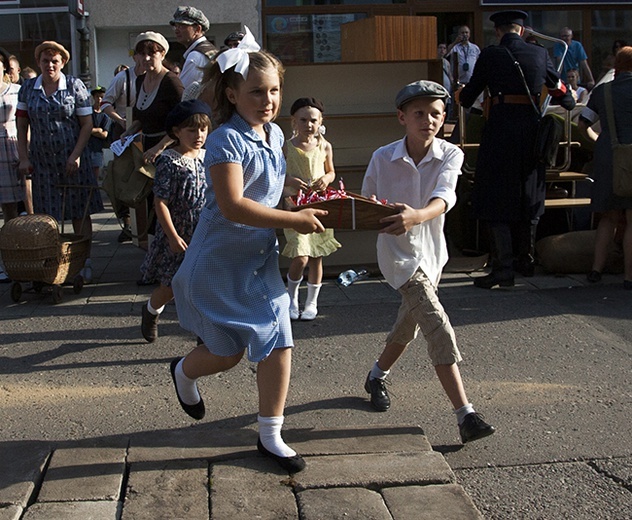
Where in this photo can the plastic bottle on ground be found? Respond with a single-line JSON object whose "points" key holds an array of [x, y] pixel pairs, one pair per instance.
{"points": [[348, 277]]}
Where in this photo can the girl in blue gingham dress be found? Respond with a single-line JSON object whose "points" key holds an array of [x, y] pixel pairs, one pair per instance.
{"points": [[229, 291]]}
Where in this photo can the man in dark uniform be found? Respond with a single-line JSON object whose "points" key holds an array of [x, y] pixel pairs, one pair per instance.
{"points": [[509, 187]]}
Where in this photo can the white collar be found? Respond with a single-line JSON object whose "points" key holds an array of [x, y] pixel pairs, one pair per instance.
{"points": [[61, 84], [434, 152]]}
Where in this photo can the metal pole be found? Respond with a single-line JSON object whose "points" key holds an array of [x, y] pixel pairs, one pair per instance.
{"points": [[547, 100]]}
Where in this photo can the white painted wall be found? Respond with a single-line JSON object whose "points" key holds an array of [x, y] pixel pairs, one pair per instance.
{"points": [[115, 24]]}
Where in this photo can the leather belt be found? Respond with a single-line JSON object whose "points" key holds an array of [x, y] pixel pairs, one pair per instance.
{"points": [[513, 99]]}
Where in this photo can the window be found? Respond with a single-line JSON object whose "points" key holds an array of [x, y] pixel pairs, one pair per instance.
{"points": [[306, 38]]}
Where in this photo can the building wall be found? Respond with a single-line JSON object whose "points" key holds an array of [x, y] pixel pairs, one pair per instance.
{"points": [[114, 25]]}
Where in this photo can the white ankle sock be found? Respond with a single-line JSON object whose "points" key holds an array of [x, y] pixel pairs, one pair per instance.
{"points": [[378, 373], [292, 289], [187, 388], [463, 411], [153, 311], [312, 294], [270, 436]]}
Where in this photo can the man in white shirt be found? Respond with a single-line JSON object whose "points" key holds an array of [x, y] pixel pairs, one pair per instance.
{"points": [[121, 95], [463, 54], [190, 25]]}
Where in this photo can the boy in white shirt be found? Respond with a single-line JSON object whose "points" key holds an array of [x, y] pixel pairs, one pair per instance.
{"points": [[419, 174]]}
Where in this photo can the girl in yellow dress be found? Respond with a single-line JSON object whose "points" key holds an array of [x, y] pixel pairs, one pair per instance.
{"points": [[310, 165]]}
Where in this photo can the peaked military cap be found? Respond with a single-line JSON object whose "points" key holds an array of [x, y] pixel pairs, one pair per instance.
{"points": [[509, 17]]}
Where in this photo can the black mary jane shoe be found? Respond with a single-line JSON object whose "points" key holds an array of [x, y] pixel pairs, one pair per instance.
{"points": [[197, 410], [290, 464]]}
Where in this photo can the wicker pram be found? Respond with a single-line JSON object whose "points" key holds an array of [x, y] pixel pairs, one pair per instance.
{"points": [[33, 250]]}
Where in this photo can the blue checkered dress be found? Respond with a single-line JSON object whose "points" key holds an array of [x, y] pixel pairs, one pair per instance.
{"points": [[229, 290]]}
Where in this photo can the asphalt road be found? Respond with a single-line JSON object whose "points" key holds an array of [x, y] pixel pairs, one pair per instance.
{"points": [[550, 368]]}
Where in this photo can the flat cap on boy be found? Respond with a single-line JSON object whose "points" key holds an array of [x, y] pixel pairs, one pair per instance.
{"points": [[190, 16], [423, 88]]}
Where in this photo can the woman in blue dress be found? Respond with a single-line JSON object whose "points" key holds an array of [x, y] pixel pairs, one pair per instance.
{"points": [[229, 290], [58, 110]]}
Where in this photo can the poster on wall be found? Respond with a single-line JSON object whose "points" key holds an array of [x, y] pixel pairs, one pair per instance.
{"points": [[288, 37], [326, 36]]}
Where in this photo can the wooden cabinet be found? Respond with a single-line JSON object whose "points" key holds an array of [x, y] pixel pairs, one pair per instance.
{"points": [[388, 38], [360, 116]]}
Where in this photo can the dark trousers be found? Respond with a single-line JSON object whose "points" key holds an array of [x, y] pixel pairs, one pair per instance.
{"points": [[512, 243]]}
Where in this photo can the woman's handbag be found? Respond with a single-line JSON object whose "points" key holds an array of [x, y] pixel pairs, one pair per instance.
{"points": [[128, 179], [621, 153]]}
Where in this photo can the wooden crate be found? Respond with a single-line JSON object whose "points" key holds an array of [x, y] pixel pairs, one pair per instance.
{"points": [[353, 212], [388, 38]]}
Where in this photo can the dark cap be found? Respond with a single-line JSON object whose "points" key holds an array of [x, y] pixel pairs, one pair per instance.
{"points": [[234, 37], [190, 16], [307, 102], [423, 88], [183, 111], [509, 17], [98, 90]]}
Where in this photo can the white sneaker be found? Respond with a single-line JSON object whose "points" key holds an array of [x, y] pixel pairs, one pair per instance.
{"points": [[4, 278], [309, 313]]}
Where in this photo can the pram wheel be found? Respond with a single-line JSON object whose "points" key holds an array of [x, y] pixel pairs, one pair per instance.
{"points": [[16, 291], [77, 284], [58, 293]]}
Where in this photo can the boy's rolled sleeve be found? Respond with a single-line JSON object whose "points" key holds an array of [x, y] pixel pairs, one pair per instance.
{"points": [[445, 188]]}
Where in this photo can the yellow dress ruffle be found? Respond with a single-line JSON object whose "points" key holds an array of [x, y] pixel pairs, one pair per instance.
{"points": [[308, 166]]}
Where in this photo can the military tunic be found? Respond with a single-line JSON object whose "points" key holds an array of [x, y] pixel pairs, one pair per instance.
{"points": [[508, 185]]}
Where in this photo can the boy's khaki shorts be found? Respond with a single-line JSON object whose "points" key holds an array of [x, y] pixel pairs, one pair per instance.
{"points": [[421, 309]]}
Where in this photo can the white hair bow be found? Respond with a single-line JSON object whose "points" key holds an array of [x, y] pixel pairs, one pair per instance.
{"points": [[238, 56]]}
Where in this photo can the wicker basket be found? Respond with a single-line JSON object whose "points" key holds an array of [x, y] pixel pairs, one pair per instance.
{"points": [[33, 250]]}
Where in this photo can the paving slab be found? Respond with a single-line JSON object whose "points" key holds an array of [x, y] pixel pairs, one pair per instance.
{"points": [[192, 443], [21, 471], [349, 440], [11, 512], [169, 490], [446, 501], [342, 504], [251, 488], [374, 470], [107, 510], [84, 474]]}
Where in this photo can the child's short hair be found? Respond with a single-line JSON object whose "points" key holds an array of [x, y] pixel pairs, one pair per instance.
{"points": [[223, 109], [194, 121], [188, 114]]}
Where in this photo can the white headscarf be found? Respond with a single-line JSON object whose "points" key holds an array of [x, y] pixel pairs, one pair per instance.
{"points": [[238, 56]]}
